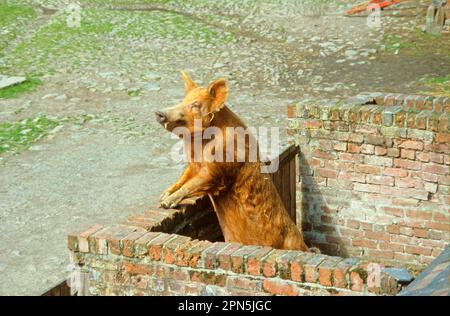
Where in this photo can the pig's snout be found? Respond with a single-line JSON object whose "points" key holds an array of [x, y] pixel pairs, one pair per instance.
{"points": [[161, 117]]}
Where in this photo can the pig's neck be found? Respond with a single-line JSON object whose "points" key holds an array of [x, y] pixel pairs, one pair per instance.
{"points": [[226, 118]]}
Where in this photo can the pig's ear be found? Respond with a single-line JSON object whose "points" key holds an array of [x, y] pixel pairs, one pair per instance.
{"points": [[188, 83], [218, 91]]}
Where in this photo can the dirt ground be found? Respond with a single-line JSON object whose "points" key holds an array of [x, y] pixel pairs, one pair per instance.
{"points": [[102, 81]]}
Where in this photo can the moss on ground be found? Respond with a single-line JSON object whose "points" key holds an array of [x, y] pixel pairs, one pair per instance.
{"points": [[56, 44], [15, 137], [14, 91], [439, 86], [13, 21]]}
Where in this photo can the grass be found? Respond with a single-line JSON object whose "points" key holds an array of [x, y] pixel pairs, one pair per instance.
{"points": [[440, 86], [15, 137], [13, 20], [14, 91], [57, 45], [418, 43]]}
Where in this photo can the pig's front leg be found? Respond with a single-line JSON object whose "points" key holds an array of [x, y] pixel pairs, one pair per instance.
{"points": [[193, 189], [187, 174]]}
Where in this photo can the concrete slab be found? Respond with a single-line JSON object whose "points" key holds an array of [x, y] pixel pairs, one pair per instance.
{"points": [[7, 81], [434, 281]]}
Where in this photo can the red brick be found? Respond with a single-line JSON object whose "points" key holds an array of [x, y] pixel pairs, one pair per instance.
{"points": [[431, 187], [395, 172], [406, 192], [422, 156], [195, 252], [353, 148], [109, 237], [392, 152], [353, 177], [136, 268], [297, 265], [269, 263], [327, 173], [416, 250], [311, 268], [169, 251], [427, 176], [436, 169], [224, 256], [385, 254], [323, 154], [393, 229], [375, 140], [443, 138], [83, 242], [362, 242], [366, 187], [441, 217], [340, 146], [244, 283], [312, 124], [438, 226], [408, 183], [392, 246], [280, 288], [407, 231], [353, 233], [239, 258], [141, 245], [407, 164], [412, 144], [129, 240], [291, 111], [326, 269], [381, 151], [421, 233], [376, 235], [367, 169], [418, 214], [403, 257], [210, 255], [155, 245], [356, 281], [352, 223], [254, 262], [340, 274], [382, 180], [437, 158], [408, 154], [350, 157], [394, 211]]}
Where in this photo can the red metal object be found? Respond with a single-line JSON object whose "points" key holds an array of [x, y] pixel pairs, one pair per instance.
{"points": [[371, 5]]}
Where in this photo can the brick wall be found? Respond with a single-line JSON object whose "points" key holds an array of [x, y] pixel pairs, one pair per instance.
{"points": [[147, 255], [374, 176]]}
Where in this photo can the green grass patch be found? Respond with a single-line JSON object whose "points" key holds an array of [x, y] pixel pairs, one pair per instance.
{"points": [[440, 86], [13, 21], [15, 137], [56, 45], [14, 91], [417, 43]]}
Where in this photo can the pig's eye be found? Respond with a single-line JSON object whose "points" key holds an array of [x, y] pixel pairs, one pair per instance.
{"points": [[196, 104]]}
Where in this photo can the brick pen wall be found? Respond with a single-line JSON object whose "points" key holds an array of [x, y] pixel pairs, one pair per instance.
{"points": [[136, 258], [375, 176]]}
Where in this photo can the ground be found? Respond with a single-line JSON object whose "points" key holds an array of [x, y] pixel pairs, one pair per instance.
{"points": [[78, 141]]}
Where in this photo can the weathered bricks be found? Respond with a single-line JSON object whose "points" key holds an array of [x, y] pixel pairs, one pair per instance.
{"points": [[157, 263], [392, 169]]}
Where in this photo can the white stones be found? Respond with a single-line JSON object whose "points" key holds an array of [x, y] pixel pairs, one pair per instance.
{"points": [[350, 53], [7, 81]]}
